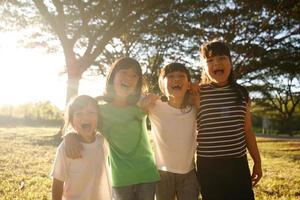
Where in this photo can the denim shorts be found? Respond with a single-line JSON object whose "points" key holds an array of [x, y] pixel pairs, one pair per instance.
{"points": [[142, 191], [181, 186]]}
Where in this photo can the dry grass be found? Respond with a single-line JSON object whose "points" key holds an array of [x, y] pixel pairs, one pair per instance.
{"points": [[26, 156]]}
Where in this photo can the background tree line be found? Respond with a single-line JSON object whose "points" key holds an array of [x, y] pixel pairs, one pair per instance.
{"points": [[264, 37], [41, 113]]}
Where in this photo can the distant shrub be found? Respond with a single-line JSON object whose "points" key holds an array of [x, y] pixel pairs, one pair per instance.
{"points": [[276, 124], [40, 113]]}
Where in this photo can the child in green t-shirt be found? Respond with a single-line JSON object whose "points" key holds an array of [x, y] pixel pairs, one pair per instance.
{"points": [[133, 171]]}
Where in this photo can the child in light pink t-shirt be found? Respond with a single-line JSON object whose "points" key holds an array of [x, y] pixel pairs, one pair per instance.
{"points": [[85, 178]]}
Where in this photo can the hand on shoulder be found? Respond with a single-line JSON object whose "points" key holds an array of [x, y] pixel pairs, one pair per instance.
{"points": [[194, 88], [195, 95], [147, 101]]}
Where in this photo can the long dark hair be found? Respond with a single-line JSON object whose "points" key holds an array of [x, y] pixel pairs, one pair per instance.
{"points": [[123, 63], [174, 67], [219, 48]]}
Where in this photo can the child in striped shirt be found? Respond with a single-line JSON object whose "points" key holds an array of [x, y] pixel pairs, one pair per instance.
{"points": [[224, 130]]}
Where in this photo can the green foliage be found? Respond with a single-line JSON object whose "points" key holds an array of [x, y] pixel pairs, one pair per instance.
{"points": [[263, 35], [278, 97], [31, 113], [276, 125]]}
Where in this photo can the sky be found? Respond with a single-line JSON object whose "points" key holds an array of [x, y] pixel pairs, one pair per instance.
{"points": [[32, 75]]}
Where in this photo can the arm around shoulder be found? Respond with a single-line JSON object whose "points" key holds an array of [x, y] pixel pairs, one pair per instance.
{"points": [[57, 189], [73, 147], [147, 102]]}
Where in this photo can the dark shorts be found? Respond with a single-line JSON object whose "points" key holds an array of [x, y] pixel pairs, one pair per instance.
{"points": [[224, 179]]}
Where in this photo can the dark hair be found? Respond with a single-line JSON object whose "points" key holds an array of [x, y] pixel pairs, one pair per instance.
{"points": [[219, 48], [175, 67], [123, 63], [77, 103], [214, 48]]}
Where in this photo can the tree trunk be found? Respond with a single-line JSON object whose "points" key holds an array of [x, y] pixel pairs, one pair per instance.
{"points": [[287, 126], [290, 125], [72, 87], [75, 72], [74, 76], [72, 90]]}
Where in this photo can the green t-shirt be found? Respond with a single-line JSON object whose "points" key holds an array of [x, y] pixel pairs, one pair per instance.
{"points": [[130, 154]]}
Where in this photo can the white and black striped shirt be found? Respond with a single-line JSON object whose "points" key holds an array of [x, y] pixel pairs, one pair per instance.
{"points": [[220, 123]]}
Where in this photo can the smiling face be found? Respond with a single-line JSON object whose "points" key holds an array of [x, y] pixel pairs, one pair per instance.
{"points": [[85, 122], [176, 84], [215, 57], [125, 82], [218, 69]]}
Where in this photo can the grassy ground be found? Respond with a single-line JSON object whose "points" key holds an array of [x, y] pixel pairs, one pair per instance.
{"points": [[26, 156], [281, 169]]}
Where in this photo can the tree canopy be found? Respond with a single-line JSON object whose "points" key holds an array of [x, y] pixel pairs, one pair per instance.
{"points": [[263, 35]]}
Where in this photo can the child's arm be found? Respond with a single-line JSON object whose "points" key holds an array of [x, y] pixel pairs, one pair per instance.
{"points": [[147, 102], [57, 189], [252, 147], [195, 88], [73, 147], [195, 95]]}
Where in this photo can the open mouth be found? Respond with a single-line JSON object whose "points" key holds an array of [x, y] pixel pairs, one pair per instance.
{"points": [[86, 126], [124, 86], [219, 72], [176, 87]]}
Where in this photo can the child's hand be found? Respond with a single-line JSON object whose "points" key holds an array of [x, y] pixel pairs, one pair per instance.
{"points": [[194, 88], [73, 147], [256, 174], [195, 95], [148, 101]]}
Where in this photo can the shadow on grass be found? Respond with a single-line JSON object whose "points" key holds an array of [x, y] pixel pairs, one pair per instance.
{"points": [[295, 158], [289, 150], [281, 155], [53, 140], [270, 141], [270, 137]]}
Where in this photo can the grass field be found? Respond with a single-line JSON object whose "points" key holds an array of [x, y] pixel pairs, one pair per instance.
{"points": [[26, 156]]}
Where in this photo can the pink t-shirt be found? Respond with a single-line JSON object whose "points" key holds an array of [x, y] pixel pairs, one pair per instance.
{"points": [[84, 178]]}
